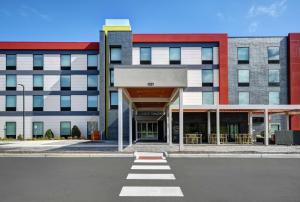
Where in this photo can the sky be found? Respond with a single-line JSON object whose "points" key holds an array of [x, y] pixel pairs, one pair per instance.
{"points": [[81, 20]]}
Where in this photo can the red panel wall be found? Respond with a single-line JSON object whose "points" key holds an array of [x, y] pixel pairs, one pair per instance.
{"points": [[222, 39], [294, 76]]}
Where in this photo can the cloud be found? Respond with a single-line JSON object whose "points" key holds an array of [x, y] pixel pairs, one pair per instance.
{"points": [[27, 11], [273, 10], [253, 27]]}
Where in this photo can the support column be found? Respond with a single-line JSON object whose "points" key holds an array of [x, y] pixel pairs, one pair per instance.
{"points": [[250, 124], [181, 119], [218, 125], [130, 123], [170, 126], [208, 124], [287, 121], [266, 127], [120, 119]]}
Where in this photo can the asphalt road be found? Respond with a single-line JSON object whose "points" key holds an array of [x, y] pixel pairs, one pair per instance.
{"points": [[101, 179]]}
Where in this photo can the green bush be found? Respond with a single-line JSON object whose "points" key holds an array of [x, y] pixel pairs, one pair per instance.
{"points": [[49, 134], [20, 137], [76, 132]]}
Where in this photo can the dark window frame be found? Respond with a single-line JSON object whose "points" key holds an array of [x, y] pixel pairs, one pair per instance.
{"points": [[91, 108], [146, 62], [38, 67], [243, 62], [11, 67], [239, 97], [70, 131], [207, 84], [273, 84], [65, 67], [10, 136], [9, 88], [10, 109], [37, 108], [110, 105], [174, 62], [115, 61], [273, 61], [87, 82], [91, 67], [243, 84], [68, 88], [37, 87], [65, 109], [111, 83], [206, 62], [33, 135]]}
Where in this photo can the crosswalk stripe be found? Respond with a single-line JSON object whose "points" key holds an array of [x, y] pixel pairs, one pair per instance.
{"points": [[150, 161], [135, 176], [150, 167], [151, 191]]}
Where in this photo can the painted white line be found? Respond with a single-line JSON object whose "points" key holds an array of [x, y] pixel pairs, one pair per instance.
{"points": [[150, 161], [134, 176], [150, 167], [151, 191]]}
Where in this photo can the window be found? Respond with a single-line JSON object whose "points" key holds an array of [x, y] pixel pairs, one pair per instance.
{"points": [[37, 129], [11, 82], [65, 128], [273, 55], [113, 100], [112, 77], [92, 82], [207, 77], [274, 79], [11, 62], [65, 103], [38, 103], [243, 98], [92, 62], [243, 77], [208, 98], [91, 127], [11, 103], [38, 82], [145, 55], [38, 62], [274, 98], [92, 103], [274, 127], [175, 55], [65, 62], [115, 55], [10, 129], [65, 82], [243, 55], [207, 55]]}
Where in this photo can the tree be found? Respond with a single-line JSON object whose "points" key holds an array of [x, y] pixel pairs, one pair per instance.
{"points": [[49, 134], [76, 132]]}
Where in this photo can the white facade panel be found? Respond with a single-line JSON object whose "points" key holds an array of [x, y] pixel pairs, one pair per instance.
{"points": [[160, 55], [192, 98], [78, 102], [24, 62], [216, 55], [79, 62], [135, 55], [216, 78], [2, 103], [51, 83], [51, 103], [191, 55], [2, 82], [26, 80], [2, 62], [79, 82], [194, 78], [216, 98], [28, 103], [51, 62], [19, 125]]}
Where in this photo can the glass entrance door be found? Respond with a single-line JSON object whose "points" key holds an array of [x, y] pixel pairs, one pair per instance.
{"points": [[147, 130]]}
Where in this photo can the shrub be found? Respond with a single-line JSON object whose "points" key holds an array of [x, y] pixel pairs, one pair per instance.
{"points": [[49, 134], [20, 137], [76, 132]]}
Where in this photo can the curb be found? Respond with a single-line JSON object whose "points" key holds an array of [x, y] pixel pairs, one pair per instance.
{"points": [[225, 155], [73, 155]]}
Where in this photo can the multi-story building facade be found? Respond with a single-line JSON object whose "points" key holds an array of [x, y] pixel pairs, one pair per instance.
{"points": [[151, 87]]}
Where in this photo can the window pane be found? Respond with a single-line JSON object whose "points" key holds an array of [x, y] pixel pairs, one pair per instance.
{"points": [[113, 98], [115, 54], [273, 98], [273, 53], [38, 128], [243, 98], [11, 60], [11, 101], [243, 76], [38, 60], [65, 128], [92, 101], [10, 128], [65, 60], [207, 76], [175, 54], [38, 80], [207, 53], [65, 80], [112, 76], [11, 80], [274, 76], [65, 101], [92, 80], [38, 101], [92, 60], [145, 54], [243, 54], [208, 98]]}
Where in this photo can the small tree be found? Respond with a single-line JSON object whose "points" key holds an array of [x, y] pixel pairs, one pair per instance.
{"points": [[49, 134], [76, 132]]}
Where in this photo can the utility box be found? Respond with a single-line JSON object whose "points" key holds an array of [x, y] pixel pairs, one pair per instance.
{"points": [[287, 137]]}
